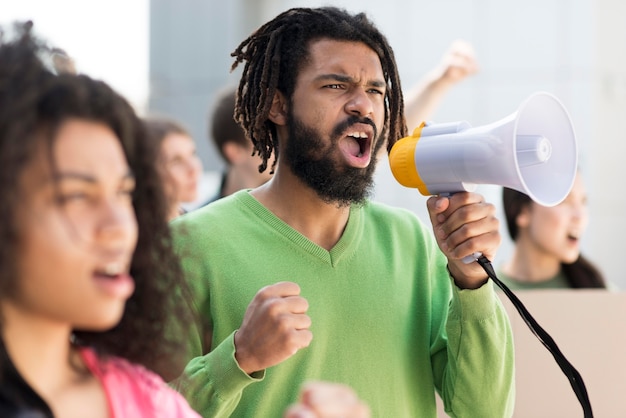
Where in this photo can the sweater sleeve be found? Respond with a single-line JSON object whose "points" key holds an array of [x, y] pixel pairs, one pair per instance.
{"points": [[478, 378], [213, 383]]}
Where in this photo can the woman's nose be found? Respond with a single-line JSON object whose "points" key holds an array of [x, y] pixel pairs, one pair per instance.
{"points": [[117, 219]]}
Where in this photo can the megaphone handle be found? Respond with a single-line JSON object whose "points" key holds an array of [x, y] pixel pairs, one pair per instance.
{"points": [[474, 256]]}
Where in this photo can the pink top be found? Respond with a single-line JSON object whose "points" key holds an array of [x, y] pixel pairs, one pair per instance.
{"points": [[134, 392]]}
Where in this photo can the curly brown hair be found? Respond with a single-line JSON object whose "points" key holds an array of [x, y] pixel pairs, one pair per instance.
{"points": [[34, 103], [275, 54]]}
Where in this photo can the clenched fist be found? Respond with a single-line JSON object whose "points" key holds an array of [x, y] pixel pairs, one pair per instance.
{"points": [[274, 327]]}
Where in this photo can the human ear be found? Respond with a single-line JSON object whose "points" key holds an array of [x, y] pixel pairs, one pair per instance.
{"points": [[278, 110], [523, 217]]}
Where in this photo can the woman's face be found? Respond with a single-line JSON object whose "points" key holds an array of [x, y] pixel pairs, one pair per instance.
{"points": [[182, 168], [78, 230], [556, 231]]}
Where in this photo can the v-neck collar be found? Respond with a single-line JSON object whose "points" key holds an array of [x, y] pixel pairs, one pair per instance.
{"points": [[342, 249]]}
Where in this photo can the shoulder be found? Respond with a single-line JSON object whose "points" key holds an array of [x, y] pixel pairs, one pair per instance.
{"points": [[132, 374], [136, 391], [120, 373], [195, 231], [219, 210], [208, 210]]}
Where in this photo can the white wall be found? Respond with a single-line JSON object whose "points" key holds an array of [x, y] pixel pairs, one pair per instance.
{"points": [[606, 156]]}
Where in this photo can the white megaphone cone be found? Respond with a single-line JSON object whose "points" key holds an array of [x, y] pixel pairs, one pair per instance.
{"points": [[532, 150]]}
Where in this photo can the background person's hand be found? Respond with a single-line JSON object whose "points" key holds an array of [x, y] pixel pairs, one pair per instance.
{"points": [[328, 400], [458, 62]]}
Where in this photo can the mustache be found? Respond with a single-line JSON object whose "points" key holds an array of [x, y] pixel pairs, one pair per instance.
{"points": [[353, 120]]}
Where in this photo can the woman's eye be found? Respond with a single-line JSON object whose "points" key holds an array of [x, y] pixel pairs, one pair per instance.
{"points": [[175, 162], [71, 197]]}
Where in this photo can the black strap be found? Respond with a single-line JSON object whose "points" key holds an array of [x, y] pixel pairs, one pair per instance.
{"points": [[572, 374]]}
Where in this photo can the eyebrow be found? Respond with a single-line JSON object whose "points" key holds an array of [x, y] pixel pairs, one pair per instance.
{"points": [[348, 79], [73, 175]]}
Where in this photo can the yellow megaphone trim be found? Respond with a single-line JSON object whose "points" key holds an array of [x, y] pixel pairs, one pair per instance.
{"points": [[402, 161]]}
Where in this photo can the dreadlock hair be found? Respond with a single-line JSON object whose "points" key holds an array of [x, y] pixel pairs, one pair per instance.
{"points": [[34, 104], [276, 52], [579, 274]]}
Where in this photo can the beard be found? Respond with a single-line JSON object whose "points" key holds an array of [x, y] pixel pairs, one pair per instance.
{"points": [[316, 163]]}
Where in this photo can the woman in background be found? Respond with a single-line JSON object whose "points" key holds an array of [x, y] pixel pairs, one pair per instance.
{"points": [[178, 162], [547, 254]]}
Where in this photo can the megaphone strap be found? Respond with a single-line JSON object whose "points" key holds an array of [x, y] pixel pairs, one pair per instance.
{"points": [[575, 379]]}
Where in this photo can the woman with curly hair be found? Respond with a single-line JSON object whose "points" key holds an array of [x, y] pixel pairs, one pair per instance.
{"points": [[87, 272]]}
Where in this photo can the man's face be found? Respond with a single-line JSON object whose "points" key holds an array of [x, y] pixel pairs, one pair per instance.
{"points": [[335, 119]]}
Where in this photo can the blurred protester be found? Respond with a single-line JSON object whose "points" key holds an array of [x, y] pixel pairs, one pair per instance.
{"points": [[87, 268], [178, 162], [242, 163], [546, 253]]}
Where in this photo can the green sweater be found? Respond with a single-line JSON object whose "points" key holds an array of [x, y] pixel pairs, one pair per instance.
{"points": [[385, 318]]}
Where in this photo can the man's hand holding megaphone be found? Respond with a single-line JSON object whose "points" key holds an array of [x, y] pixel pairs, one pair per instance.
{"points": [[532, 150], [465, 224]]}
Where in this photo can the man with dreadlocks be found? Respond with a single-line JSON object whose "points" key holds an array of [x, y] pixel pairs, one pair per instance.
{"points": [[350, 291]]}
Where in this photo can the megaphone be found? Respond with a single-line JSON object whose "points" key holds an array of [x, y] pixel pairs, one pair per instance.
{"points": [[533, 150]]}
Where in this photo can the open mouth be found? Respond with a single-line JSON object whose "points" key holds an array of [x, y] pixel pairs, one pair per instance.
{"points": [[114, 280], [110, 271], [358, 144], [362, 144], [572, 237]]}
